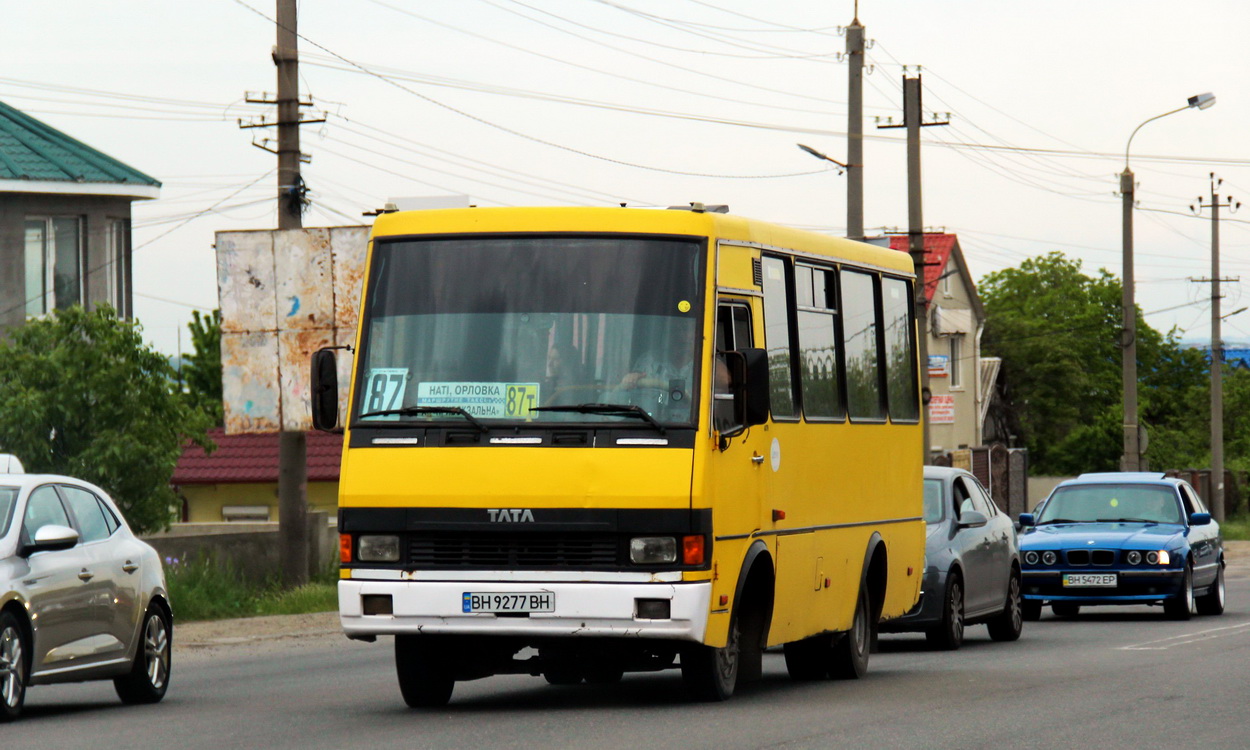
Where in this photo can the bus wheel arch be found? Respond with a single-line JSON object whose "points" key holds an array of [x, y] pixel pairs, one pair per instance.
{"points": [[712, 673], [874, 577]]}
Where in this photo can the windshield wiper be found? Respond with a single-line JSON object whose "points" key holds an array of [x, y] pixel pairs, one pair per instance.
{"points": [[612, 410], [1056, 520], [407, 411], [1127, 520]]}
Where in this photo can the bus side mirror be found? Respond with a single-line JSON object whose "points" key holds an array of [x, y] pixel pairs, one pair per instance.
{"points": [[325, 390], [755, 390]]}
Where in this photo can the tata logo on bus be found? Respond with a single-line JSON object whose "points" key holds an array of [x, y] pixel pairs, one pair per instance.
{"points": [[510, 515]]}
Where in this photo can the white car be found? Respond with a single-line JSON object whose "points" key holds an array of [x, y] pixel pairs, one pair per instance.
{"points": [[81, 598]]}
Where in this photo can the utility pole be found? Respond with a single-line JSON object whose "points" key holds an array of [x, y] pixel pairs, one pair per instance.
{"points": [[855, 130], [1216, 501], [913, 121], [292, 445]]}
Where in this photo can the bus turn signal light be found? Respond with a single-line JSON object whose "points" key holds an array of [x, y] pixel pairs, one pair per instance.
{"points": [[692, 549], [345, 548]]}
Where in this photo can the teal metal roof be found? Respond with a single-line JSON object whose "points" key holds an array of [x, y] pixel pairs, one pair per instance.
{"points": [[31, 150]]}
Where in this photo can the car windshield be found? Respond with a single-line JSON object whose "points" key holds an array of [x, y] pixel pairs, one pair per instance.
{"points": [[934, 494], [587, 329], [8, 498], [1112, 502]]}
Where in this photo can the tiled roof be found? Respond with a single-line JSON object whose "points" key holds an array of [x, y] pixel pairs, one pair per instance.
{"points": [[31, 150], [937, 250], [254, 458]]}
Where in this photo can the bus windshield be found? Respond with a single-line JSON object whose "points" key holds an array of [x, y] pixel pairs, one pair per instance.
{"points": [[489, 328]]}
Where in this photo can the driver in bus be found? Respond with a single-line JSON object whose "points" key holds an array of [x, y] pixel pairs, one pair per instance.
{"points": [[669, 369]]}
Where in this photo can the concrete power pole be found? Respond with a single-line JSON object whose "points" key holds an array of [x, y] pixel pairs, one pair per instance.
{"points": [[292, 445], [292, 448], [1216, 501], [913, 120], [855, 131]]}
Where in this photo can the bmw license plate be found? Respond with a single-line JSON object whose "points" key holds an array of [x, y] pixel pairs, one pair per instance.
{"points": [[519, 602], [1090, 580]]}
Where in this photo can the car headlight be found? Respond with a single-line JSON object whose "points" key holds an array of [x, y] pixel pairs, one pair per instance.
{"points": [[1133, 557], [1031, 557], [377, 548], [652, 550], [1049, 557], [1158, 558]]}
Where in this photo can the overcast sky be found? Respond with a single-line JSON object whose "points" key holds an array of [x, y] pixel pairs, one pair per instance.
{"points": [[664, 102]]}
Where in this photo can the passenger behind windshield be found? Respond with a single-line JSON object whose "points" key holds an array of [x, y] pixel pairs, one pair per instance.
{"points": [[1109, 503]]}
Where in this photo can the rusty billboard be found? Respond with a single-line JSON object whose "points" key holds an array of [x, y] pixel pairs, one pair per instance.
{"points": [[284, 294]]}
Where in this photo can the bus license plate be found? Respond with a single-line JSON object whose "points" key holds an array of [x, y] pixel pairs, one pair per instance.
{"points": [[521, 601], [1090, 580]]}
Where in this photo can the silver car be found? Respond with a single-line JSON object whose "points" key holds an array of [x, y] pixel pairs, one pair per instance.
{"points": [[82, 597], [972, 564]]}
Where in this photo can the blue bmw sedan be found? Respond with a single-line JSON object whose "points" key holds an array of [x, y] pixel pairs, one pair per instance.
{"points": [[1122, 538]]}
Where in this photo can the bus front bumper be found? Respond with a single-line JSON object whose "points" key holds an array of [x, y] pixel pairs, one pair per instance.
{"points": [[581, 609]]}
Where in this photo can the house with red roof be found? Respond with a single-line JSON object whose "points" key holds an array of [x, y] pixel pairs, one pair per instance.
{"points": [[239, 480], [961, 381]]}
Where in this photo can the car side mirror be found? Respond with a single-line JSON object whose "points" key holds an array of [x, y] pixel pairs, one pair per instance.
{"points": [[325, 390], [1026, 519], [1199, 519], [49, 538], [972, 519]]}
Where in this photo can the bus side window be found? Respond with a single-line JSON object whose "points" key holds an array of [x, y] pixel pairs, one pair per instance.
{"points": [[733, 332], [777, 306]]}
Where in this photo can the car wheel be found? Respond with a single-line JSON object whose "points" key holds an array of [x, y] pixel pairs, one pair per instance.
{"points": [[849, 654], [148, 678], [562, 677], [13, 661], [711, 673], [948, 634], [1031, 610], [1008, 625], [1181, 606], [808, 659], [1212, 602], [424, 670], [1065, 609], [604, 675]]}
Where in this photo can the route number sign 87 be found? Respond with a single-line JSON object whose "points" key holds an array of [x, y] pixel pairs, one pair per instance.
{"points": [[520, 398], [385, 388]]}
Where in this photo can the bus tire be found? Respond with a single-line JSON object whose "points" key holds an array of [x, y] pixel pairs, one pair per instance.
{"points": [[424, 670], [848, 659], [711, 673]]}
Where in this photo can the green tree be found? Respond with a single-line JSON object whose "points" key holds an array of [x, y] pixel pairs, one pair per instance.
{"points": [[201, 371], [82, 395], [1058, 331]]}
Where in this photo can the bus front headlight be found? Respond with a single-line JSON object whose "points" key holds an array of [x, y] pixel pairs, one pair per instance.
{"points": [[652, 550], [377, 548]]}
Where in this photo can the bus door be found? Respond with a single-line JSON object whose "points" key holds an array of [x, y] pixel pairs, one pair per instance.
{"points": [[741, 473]]}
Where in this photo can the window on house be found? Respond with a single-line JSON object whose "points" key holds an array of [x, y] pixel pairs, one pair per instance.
{"points": [[947, 274], [957, 345], [115, 265], [54, 271]]}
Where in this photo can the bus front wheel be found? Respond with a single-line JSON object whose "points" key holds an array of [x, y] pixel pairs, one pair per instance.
{"points": [[711, 673], [424, 670]]}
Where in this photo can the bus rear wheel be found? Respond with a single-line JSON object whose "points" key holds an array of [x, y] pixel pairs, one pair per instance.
{"points": [[425, 671], [711, 673]]}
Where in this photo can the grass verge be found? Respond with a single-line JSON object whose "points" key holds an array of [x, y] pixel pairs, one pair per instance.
{"points": [[1236, 528], [204, 590]]}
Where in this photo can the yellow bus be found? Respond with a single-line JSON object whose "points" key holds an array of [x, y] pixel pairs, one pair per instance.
{"points": [[590, 441]]}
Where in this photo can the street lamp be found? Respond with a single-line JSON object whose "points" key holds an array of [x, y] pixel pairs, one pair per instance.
{"points": [[1131, 460], [826, 157]]}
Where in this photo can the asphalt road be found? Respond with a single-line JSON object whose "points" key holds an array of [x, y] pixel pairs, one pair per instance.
{"points": [[1111, 678]]}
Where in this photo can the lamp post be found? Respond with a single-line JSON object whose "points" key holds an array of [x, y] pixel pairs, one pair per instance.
{"points": [[1131, 460]]}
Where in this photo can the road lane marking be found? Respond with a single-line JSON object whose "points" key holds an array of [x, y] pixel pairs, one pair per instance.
{"points": [[1164, 644]]}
